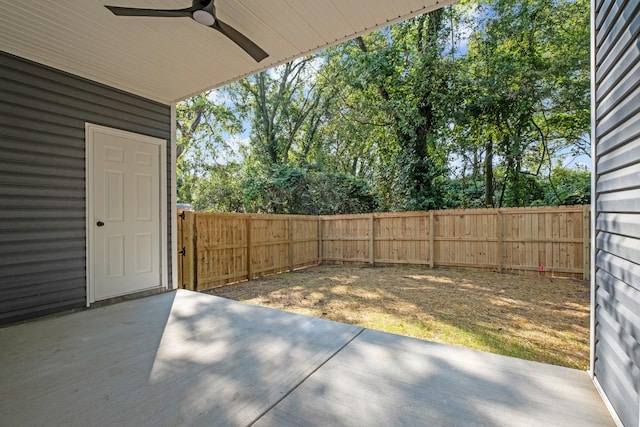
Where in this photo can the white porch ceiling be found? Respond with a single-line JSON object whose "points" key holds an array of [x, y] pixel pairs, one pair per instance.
{"points": [[168, 59]]}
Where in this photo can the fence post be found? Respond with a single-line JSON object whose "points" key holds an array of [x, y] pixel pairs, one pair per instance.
{"points": [[320, 239], [179, 248], [290, 228], [586, 238], [372, 241], [249, 243], [432, 228], [189, 256], [500, 232]]}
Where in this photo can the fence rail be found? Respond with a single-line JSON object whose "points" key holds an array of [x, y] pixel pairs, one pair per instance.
{"points": [[219, 248]]}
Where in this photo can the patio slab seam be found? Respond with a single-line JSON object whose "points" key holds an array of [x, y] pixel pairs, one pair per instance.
{"points": [[307, 377]]}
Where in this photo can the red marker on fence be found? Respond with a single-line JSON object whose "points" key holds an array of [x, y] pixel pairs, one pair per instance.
{"points": [[541, 267]]}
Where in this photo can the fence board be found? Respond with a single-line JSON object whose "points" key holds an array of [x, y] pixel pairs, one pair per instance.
{"points": [[304, 241], [222, 248], [402, 239], [270, 240]]}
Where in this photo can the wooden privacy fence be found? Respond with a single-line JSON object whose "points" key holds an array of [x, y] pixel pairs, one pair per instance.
{"points": [[219, 248], [547, 240], [223, 248]]}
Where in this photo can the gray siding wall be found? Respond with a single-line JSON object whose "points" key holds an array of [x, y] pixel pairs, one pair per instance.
{"points": [[42, 180], [617, 244]]}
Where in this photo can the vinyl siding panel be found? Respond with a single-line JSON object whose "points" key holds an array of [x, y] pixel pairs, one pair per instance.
{"points": [[43, 113], [618, 224], [628, 177], [618, 31], [622, 157], [624, 296], [619, 201], [621, 112], [620, 246], [608, 380], [617, 204]]}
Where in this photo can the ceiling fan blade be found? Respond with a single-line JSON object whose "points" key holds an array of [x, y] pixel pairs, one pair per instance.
{"points": [[241, 40], [128, 11]]}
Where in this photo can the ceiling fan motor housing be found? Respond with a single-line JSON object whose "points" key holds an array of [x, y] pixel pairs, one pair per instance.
{"points": [[206, 14]]}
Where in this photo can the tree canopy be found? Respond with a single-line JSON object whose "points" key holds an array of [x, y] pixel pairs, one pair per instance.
{"points": [[479, 104]]}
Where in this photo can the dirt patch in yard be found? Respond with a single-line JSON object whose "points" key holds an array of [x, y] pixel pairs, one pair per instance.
{"points": [[534, 318]]}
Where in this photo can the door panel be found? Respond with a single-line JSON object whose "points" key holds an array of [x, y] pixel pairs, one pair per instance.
{"points": [[114, 195], [114, 256], [126, 215]]}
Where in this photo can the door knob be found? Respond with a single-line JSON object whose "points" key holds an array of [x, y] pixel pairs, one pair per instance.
{"points": [[99, 223]]}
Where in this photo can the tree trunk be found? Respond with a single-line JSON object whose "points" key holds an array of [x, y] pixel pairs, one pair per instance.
{"points": [[488, 173]]}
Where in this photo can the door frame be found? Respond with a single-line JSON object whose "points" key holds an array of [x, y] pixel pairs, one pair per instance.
{"points": [[90, 129]]}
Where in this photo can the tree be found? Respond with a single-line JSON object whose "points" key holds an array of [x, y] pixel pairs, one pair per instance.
{"points": [[527, 68], [395, 79], [285, 107], [203, 125]]}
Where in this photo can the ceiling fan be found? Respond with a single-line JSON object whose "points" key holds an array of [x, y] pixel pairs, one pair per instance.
{"points": [[203, 12]]}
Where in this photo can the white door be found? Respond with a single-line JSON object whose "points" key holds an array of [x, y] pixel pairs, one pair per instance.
{"points": [[125, 235]]}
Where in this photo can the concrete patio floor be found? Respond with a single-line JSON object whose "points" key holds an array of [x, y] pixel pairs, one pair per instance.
{"points": [[184, 358]]}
